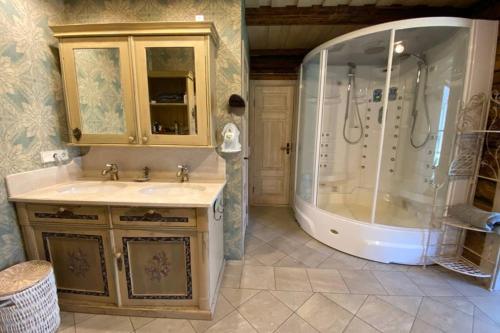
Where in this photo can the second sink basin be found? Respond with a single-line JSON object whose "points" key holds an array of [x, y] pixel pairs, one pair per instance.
{"points": [[172, 189], [91, 188]]}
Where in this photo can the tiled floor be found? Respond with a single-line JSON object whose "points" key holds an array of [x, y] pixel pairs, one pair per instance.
{"points": [[289, 283]]}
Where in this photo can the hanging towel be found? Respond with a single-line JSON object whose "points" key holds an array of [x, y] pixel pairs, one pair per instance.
{"points": [[474, 216]]}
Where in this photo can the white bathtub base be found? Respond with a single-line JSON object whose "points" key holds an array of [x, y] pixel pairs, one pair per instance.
{"points": [[375, 242]]}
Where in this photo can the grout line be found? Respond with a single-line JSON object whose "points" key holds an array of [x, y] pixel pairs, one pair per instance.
{"points": [[416, 315]]}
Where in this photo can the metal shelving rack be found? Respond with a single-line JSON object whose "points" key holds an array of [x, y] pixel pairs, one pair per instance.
{"points": [[466, 163]]}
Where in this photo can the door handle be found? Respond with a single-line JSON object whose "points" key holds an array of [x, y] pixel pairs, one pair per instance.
{"points": [[119, 260], [286, 148]]}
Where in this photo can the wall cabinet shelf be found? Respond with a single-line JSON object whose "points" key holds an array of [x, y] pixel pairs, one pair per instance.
{"points": [[139, 84]]}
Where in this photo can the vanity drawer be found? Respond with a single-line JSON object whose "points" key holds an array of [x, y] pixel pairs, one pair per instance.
{"points": [[148, 216], [68, 213]]}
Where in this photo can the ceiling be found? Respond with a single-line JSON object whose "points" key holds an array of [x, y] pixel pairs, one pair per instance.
{"points": [[281, 32]]}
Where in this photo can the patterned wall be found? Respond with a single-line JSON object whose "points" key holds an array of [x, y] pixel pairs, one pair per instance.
{"points": [[32, 115], [31, 104]]}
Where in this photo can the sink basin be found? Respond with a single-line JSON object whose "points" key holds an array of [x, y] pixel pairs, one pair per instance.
{"points": [[172, 189], [91, 188]]}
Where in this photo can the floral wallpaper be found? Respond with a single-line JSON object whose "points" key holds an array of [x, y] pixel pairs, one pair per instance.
{"points": [[99, 90], [32, 117]]}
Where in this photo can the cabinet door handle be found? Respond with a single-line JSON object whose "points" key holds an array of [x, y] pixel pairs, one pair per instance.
{"points": [[131, 139], [119, 260], [145, 138]]}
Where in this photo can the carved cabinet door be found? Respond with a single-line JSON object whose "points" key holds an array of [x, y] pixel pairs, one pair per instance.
{"points": [[157, 268], [82, 262]]}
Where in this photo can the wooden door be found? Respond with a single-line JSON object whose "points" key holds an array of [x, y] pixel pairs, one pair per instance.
{"points": [[273, 104]]}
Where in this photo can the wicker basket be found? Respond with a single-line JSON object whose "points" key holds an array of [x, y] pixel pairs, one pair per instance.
{"points": [[28, 298]]}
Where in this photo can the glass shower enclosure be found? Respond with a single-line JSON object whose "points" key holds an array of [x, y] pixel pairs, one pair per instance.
{"points": [[376, 129]]}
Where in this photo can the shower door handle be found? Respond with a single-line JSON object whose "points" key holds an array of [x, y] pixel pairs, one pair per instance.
{"points": [[286, 148]]}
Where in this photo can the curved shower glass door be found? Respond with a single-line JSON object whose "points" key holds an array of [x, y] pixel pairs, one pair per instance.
{"points": [[309, 94], [351, 125], [426, 87]]}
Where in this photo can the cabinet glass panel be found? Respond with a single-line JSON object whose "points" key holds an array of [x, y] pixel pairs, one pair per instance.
{"points": [[158, 267], [171, 88], [99, 88], [78, 262]]}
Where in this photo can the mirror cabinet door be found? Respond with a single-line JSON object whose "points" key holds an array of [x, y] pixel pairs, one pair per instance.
{"points": [[171, 90], [99, 91]]}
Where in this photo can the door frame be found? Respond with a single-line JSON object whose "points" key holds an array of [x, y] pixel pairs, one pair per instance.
{"points": [[271, 83]]}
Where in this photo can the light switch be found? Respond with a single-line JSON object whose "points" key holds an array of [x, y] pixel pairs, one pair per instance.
{"points": [[50, 155]]}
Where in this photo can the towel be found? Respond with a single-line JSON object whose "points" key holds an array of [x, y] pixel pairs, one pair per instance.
{"points": [[476, 217]]}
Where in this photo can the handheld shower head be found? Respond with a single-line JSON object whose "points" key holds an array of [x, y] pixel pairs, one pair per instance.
{"points": [[352, 68]]}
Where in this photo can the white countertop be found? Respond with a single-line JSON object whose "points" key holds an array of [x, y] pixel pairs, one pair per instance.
{"points": [[125, 193]]}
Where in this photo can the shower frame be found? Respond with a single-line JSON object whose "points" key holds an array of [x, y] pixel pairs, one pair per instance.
{"points": [[412, 243]]}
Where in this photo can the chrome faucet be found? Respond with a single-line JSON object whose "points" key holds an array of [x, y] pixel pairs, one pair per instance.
{"points": [[112, 170], [183, 173]]}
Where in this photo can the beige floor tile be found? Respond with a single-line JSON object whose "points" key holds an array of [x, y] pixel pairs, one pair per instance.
{"points": [[358, 326], [380, 266], [232, 276], [266, 233], [238, 296], [252, 261], [362, 282], [292, 279], [67, 320], [467, 286], [489, 306], [165, 325], [408, 304], [384, 316], [458, 302], [138, 322], [265, 312], [67, 329], [420, 326], [320, 247], [223, 309], [232, 323], [252, 243], [341, 261], [308, 256], [483, 323], [284, 244], [292, 299], [290, 262], [350, 302], [324, 315], [267, 254], [258, 277], [295, 324], [432, 283], [326, 280], [79, 317], [105, 323], [444, 316], [298, 236], [397, 283]]}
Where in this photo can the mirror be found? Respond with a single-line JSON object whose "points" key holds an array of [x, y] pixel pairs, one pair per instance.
{"points": [[99, 90], [171, 88]]}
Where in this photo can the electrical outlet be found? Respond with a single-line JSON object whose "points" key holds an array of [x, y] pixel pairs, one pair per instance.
{"points": [[49, 155]]}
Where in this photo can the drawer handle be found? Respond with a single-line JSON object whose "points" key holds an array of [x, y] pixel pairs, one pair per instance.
{"points": [[150, 212], [119, 260], [61, 209]]}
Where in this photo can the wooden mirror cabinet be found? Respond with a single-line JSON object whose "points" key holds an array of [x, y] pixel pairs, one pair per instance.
{"points": [[139, 83]]}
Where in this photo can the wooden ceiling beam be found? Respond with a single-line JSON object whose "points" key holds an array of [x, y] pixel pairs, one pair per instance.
{"points": [[342, 14]]}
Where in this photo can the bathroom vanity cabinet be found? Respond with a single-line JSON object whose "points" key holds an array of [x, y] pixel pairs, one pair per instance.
{"points": [[140, 261], [139, 83]]}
